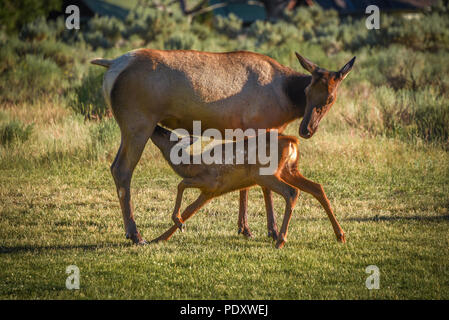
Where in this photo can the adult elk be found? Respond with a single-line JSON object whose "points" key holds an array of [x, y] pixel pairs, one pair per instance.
{"points": [[224, 90]]}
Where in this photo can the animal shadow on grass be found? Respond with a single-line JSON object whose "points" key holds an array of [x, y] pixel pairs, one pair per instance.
{"points": [[398, 218], [85, 247]]}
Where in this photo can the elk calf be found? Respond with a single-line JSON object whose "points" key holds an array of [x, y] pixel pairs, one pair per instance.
{"points": [[216, 179]]}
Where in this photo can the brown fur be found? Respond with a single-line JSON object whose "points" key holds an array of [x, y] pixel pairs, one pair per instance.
{"points": [[223, 90], [216, 179]]}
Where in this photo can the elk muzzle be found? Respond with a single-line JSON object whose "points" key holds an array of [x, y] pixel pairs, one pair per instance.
{"points": [[304, 128]]}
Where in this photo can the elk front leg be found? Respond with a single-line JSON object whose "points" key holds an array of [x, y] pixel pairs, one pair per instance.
{"points": [[271, 218], [243, 214]]}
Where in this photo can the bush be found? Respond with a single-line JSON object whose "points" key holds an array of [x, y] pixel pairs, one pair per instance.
{"points": [[230, 26], [29, 78], [406, 114], [103, 32], [14, 14], [181, 41], [151, 24], [14, 131], [88, 98]]}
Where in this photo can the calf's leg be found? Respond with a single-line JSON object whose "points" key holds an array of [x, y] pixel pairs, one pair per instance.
{"points": [[243, 214], [296, 179], [290, 196], [188, 212], [271, 218]]}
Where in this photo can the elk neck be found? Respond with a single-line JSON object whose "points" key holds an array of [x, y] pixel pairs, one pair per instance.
{"points": [[294, 85]]}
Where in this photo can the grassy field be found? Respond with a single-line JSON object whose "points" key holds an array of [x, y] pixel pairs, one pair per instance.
{"points": [[391, 199], [381, 155]]}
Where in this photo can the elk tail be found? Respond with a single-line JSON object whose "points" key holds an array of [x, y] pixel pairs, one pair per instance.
{"points": [[102, 62]]}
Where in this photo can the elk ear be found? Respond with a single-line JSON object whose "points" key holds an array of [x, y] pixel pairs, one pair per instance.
{"points": [[306, 64], [346, 68]]}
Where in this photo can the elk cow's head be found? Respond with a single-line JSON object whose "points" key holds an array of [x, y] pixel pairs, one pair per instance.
{"points": [[321, 94]]}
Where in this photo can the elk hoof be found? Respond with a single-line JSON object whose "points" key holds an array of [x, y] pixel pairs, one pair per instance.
{"points": [[273, 234], [136, 238], [182, 227], [341, 237], [142, 242], [281, 242], [246, 232]]}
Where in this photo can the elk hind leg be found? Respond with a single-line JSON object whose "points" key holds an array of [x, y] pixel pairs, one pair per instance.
{"points": [[122, 168], [176, 217], [296, 179]]}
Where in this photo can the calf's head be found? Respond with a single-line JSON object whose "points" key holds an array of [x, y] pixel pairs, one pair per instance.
{"points": [[321, 94]]}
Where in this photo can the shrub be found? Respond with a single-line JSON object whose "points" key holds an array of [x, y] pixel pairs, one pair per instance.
{"points": [[152, 24], [181, 41], [407, 114], [230, 26], [14, 14], [103, 32], [88, 97], [432, 117], [29, 78], [14, 131]]}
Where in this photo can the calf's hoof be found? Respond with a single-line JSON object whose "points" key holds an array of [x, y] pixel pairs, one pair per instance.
{"points": [[281, 242], [181, 226], [341, 237]]}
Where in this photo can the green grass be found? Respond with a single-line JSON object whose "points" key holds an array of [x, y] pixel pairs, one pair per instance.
{"points": [[391, 199], [382, 155]]}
